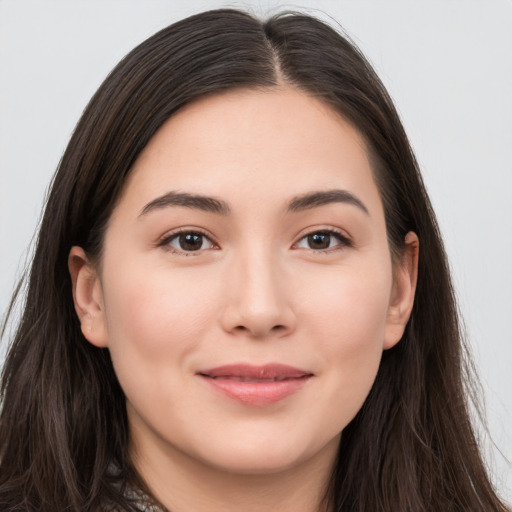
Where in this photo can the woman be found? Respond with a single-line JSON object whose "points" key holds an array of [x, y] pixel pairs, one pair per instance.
{"points": [[239, 297]]}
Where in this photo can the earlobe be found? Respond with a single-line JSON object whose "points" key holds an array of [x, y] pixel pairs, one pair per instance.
{"points": [[88, 297], [403, 292]]}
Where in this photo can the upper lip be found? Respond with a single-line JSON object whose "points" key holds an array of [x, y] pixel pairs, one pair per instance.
{"points": [[272, 371]]}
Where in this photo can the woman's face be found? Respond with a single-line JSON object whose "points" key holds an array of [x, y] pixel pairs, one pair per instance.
{"points": [[246, 290]]}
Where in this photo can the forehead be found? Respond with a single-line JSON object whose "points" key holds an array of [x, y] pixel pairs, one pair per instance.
{"points": [[253, 144]]}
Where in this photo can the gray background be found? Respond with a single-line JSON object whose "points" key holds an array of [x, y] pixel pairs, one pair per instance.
{"points": [[446, 63]]}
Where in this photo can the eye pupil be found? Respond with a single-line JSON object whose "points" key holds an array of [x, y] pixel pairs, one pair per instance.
{"points": [[191, 241], [319, 241]]}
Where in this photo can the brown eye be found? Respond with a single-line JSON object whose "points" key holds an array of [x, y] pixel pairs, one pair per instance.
{"points": [[319, 241], [189, 241], [323, 240]]}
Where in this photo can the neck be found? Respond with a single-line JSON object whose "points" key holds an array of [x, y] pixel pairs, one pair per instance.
{"points": [[183, 483]]}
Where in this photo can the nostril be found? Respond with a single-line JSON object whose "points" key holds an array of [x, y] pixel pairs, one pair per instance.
{"points": [[275, 329]]}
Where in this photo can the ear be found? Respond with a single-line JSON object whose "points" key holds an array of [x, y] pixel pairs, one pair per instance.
{"points": [[405, 276], [88, 297]]}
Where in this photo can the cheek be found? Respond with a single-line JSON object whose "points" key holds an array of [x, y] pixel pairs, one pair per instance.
{"points": [[349, 305], [348, 319], [154, 315], [157, 320]]}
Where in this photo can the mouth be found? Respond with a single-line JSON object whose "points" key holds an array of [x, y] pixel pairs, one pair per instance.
{"points": [[256, 385]]}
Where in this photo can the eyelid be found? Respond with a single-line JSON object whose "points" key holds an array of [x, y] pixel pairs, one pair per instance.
{"points": [[165, 240], [344, 238]]}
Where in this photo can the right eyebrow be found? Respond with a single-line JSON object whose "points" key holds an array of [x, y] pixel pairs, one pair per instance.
{"points": [[195, 201], [316, 199]]}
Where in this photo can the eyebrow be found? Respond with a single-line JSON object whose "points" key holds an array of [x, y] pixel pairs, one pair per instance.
{"points": [[315, 199], [195, 201], [218, 206]]}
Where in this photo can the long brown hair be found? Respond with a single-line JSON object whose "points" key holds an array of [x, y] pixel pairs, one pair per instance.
{"points": [[63, 426]]}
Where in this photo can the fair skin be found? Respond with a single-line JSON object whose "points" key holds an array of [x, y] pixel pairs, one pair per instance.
{"points": [[277, 279]]}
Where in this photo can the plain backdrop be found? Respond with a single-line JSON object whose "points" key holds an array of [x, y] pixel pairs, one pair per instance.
{"points": [[446, 63]]}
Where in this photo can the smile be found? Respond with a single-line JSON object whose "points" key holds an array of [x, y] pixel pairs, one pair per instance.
{"points": [[256, 385]]}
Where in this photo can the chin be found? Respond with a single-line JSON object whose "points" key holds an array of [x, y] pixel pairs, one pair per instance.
{"points": [[256, 463], [265, 456]]}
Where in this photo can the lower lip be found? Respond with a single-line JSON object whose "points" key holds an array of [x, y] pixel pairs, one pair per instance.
{"points": [[257, 393]]}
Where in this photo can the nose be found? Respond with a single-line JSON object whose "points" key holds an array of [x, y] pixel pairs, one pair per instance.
{"points": [[258, 301]]}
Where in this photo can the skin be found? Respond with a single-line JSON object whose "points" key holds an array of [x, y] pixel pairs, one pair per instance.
{"points": [[255, 292]]}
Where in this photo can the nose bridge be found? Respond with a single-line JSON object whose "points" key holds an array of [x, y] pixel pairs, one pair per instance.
{"points": [[258, 301], [261, 283]]}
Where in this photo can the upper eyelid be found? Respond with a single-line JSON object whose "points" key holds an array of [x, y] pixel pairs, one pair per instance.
{"points": [[179, 231], [335, 231], [345, 242]]}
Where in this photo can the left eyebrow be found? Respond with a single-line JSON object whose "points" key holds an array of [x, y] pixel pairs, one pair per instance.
{"points": [[194, 201], [315, 199]]}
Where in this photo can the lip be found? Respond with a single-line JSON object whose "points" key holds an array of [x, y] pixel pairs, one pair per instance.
{"points": [[256, 385]]}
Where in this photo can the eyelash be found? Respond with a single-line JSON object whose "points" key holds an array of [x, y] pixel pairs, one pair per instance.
{"points": [[166, 241], [343, 241]]}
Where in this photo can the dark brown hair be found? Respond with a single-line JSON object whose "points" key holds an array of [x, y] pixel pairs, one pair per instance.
{"points": [[63, 427]]}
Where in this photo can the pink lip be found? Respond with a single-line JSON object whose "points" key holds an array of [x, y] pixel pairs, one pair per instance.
{"points": [[256, 385]]}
